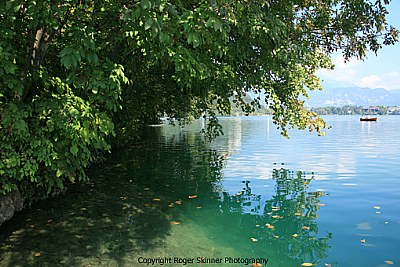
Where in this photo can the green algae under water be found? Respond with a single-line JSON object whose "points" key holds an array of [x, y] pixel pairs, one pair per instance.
{"points": [[326, 201]]}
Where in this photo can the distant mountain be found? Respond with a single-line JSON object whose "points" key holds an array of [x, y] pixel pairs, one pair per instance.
{"points": [[355, 96]]}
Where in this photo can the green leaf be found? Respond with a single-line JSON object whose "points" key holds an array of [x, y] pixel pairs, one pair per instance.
{"points": [[59, 173], [148, 23], [210, 22], [74, 150], [146, 4], [217, 25]]}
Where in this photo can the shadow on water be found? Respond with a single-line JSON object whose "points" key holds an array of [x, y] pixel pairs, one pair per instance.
{"points": [[162, 196], [121, 212]]}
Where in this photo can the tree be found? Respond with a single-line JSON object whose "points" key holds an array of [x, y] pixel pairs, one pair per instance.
{"points": [[75, 73]]}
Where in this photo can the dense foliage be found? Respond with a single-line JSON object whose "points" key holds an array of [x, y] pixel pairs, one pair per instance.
{"points": [[75, 73]]}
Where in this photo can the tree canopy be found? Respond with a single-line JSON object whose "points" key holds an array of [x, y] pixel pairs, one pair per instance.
{"points": [[74, 74]]}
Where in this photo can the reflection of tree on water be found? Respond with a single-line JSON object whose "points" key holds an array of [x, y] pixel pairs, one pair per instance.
{"points": [[285, 222], [134, 197]]}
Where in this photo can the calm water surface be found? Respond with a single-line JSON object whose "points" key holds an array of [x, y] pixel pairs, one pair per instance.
{"points": [[327, 201]]}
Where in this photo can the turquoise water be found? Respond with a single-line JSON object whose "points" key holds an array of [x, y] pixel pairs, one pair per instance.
{"points": [[250, 194]]}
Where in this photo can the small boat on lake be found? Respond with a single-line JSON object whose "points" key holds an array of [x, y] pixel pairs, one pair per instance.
{"points": [[368, 119]]}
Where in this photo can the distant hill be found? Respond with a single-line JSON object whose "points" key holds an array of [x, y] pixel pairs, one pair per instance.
{"points": [[355, 96]]}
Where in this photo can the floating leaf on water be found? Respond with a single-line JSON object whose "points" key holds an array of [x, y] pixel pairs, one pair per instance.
{"points": [[192, 196], [257, 264], [156, 199], [307, 264], [276, 236], [171, 205], [199, 207], [37, 254], [363, 240], [254, 239], [305, 227], [328, 264], [377, 207], [257, 225], [389, 262], [175, 223], [295, 235], [269, 226], [178, 202], [146, 204], [146, 189]]}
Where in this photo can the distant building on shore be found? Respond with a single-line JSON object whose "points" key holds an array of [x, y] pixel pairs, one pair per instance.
{"points": [[390, 110]]}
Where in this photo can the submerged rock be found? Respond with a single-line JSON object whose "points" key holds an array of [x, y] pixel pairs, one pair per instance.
{"points": [[9, 204]]}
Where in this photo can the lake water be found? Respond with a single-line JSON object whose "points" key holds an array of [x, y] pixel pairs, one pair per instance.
{"points": [[250, 194]]}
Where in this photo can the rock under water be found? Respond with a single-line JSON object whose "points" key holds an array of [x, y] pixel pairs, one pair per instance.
{"points": [[9, 204]]}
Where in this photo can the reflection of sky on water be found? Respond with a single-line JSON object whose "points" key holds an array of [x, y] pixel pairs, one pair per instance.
{"points": [[354, 168], [255, 148]]}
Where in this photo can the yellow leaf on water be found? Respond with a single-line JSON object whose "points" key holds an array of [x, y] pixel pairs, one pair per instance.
{"points": [[307, 264], [389, 262], [328, 264], [269, 226], [363, 240], [178, 202], [193, 196], [276, 236], [305, 227], [37, 254], [175, 223], [156, 199], [199, 207], [257, 264], [295, 235]]}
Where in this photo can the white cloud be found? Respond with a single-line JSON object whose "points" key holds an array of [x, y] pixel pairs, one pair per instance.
{"points": [[343, 72], [390, 80], [349, 73]]}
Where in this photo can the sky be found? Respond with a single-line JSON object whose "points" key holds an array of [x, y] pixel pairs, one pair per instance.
{"points": [[381, 71]]}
